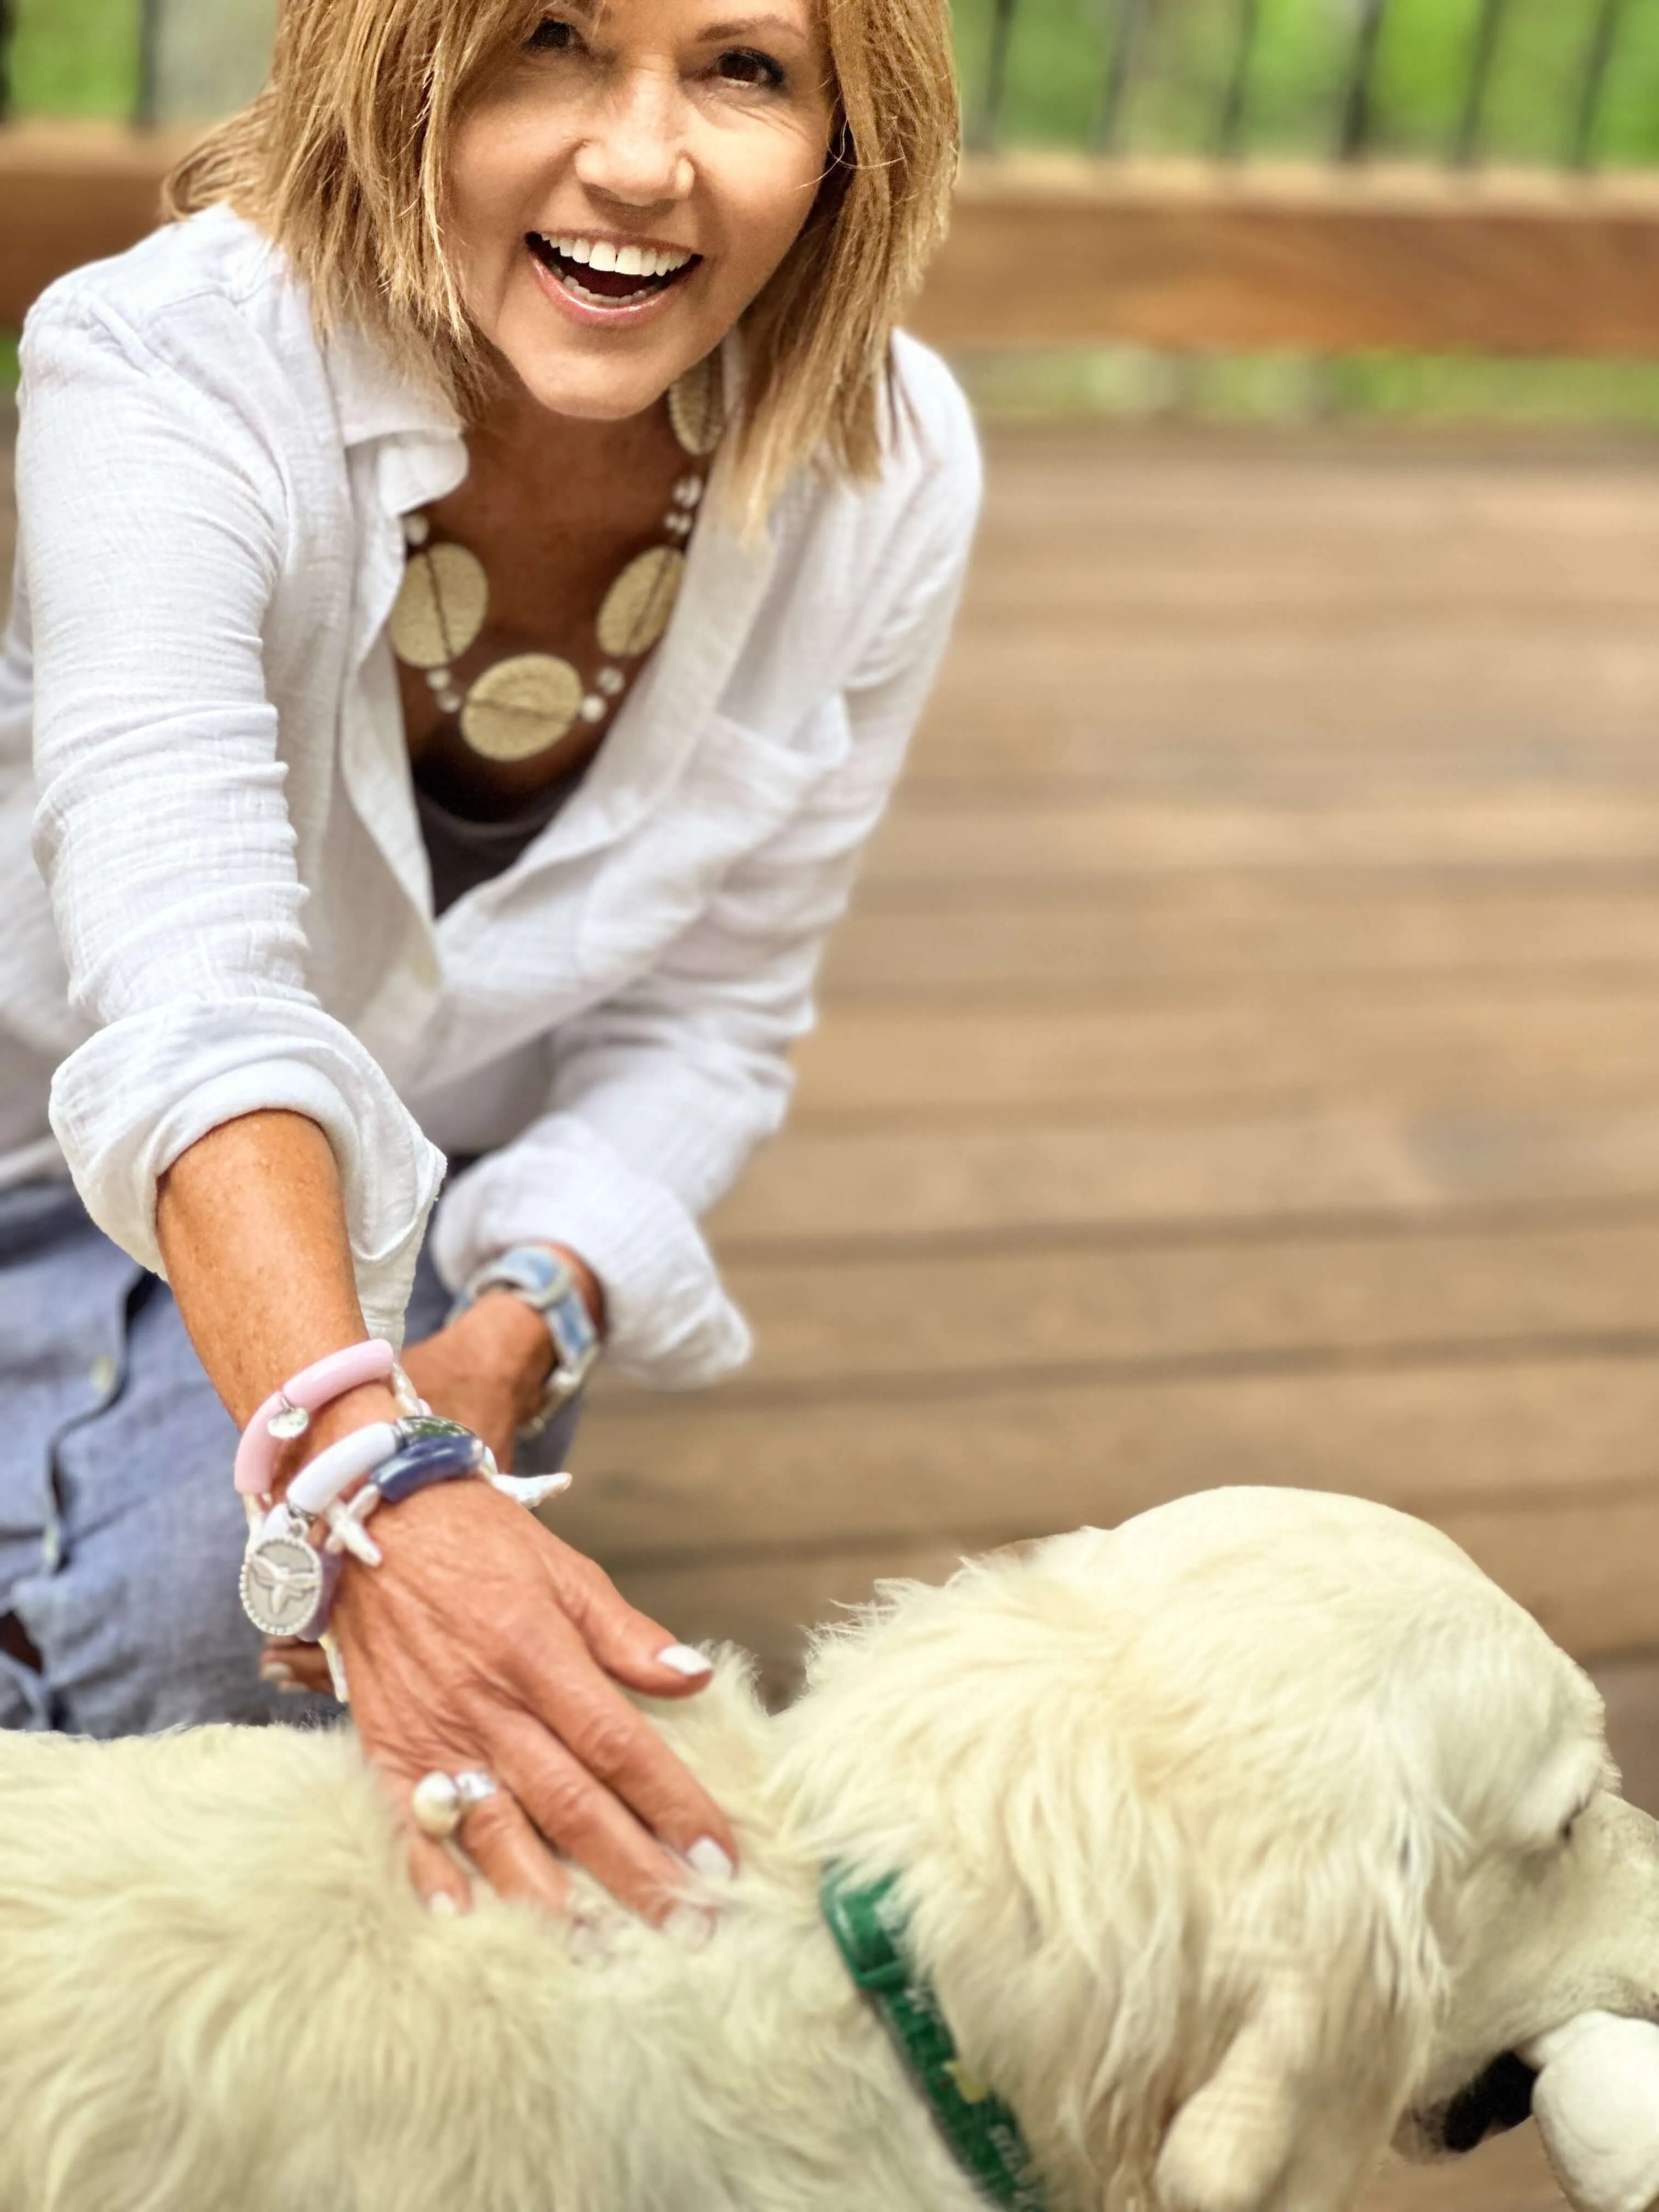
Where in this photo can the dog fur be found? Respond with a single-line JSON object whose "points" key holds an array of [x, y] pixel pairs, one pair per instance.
{"points": [[1234, 1840]]}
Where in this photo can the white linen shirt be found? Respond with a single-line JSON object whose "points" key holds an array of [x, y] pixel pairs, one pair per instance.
{"points": [[232, 909]]}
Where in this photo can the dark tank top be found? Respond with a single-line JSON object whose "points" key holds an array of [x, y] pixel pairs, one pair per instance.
{"points": [[464, 853]]}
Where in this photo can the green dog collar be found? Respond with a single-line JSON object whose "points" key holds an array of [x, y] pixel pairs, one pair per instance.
{"points": [[871, 1932]]}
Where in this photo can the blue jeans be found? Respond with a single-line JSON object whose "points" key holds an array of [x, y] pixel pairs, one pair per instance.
{"points": [[120, 1535]]}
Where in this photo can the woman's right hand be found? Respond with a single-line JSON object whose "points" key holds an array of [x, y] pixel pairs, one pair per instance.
{"points": [[484, 1641]]}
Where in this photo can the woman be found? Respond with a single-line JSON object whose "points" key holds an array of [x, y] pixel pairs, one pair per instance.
{"points": [[383, 817]]}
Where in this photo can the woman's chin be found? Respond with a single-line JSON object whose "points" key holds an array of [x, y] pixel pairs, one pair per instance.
{"points": [[600, 378]]}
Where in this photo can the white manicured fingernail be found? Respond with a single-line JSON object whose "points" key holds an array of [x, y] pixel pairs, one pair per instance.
{"points": [[707, 1858], [442, 1907], [277, 1671], [688, 1926], [684, 1661]]}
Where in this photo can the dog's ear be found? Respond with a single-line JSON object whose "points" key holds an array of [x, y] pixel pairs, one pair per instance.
{"points": [[1229, 2145], [1272, 2129]]}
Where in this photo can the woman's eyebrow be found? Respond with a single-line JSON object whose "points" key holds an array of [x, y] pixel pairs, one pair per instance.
{"points": [[745, 26]]}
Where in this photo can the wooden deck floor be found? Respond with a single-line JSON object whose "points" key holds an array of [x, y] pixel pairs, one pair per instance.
{"points": [[1242, 1063]]}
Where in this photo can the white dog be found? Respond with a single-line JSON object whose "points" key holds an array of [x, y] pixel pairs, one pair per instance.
{"points": [[1234, 1843]]}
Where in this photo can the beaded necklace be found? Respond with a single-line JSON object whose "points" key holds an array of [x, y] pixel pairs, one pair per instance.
{"points": [[521, 706]]}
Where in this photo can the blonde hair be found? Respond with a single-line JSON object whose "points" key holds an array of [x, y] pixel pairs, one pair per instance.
{"points": [[343, 161]]}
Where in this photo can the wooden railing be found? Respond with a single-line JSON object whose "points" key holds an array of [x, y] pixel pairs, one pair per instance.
{"points": [[1215, 248], [1219, 50]]}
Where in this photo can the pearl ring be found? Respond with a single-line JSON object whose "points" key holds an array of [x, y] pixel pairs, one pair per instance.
{"points": [[442, 1802]]}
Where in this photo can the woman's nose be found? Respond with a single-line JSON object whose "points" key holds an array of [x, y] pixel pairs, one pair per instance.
{"points": [[635, 151]]}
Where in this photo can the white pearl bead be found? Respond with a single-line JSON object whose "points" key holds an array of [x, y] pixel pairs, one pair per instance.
{"points": [[611, 682], [593, 708], [436, 1805], [688, 490], [417, 529]]}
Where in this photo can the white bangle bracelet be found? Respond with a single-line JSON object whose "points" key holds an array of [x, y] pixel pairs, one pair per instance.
{"points": [[315, 1488]]}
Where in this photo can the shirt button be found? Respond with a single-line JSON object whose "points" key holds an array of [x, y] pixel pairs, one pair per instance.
{"points": [[101, 1375]]}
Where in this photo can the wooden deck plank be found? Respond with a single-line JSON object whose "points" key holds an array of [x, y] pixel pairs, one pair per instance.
{"points": [[1537, 1052], [1084, 837], [835, 1192], [1259, 931], [1430, 1430], [882, 1316]]}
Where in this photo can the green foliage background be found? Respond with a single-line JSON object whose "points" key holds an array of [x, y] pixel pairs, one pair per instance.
{"points": [[79, 58]]}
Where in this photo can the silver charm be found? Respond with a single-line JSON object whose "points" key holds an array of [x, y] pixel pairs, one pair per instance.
{"points": [[292, 1421], [286, 1583], [283, 1582]]}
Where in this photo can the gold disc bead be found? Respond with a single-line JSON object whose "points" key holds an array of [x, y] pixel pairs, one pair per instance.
{"points": [[519, 708], [441, 607], [638, 606]]}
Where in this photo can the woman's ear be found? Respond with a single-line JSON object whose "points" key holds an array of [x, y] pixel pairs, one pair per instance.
{"points": [[1287, 2122]]}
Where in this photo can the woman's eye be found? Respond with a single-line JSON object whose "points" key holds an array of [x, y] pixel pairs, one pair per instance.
{"points": [[552, 37], [742, 66]]}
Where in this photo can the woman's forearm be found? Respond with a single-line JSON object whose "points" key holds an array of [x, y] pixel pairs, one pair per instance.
{"points": [[252, 1228], [252, 1225]]}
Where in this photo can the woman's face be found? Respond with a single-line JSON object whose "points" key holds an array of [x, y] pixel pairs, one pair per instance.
{"points": [[628, 185]]}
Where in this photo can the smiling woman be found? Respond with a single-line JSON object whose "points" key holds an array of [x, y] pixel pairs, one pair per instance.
{"points": [[807, 154], [485, 559]]}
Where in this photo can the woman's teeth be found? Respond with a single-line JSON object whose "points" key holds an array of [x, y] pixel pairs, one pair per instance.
{"points": [[607, 274], [626, 260]]}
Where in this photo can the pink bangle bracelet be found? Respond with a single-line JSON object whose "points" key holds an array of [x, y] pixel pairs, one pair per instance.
{"points": [[287, 1412]]}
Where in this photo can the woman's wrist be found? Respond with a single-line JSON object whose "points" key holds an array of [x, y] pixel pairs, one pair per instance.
{"points": [[506, 1348], [355, 1409]]}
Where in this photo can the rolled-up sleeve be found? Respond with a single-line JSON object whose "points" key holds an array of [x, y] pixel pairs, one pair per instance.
{"points": [[660, 1094], [153, 527]]}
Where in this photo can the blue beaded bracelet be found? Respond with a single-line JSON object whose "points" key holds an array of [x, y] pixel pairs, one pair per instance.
{"points": [[421, 1463]]}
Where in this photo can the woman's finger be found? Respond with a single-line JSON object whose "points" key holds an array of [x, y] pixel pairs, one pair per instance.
{"points": [[511, 1856], [441, 1885], [288, 1664], [584, 1820], [627, 1643], [615, 1745]]}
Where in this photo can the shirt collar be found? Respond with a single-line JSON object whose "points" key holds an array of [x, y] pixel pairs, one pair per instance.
{"points": [[376, 398]]}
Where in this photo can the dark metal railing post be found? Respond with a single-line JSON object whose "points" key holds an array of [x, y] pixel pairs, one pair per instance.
{"points": [[8, 31], [1132, 17], [147, 103], [1234, 119], [1592, 92], [1483, 57], [1354, 134], [987, 133]]}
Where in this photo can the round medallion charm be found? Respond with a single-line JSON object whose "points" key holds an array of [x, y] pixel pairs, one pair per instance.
{"points": [[522, 707], [293, 1421], [696, 406], [442, 606], [282, 1585], [638, 606]]}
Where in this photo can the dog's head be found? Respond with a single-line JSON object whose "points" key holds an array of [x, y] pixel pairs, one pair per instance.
{"points": [[1234, 1840]]}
